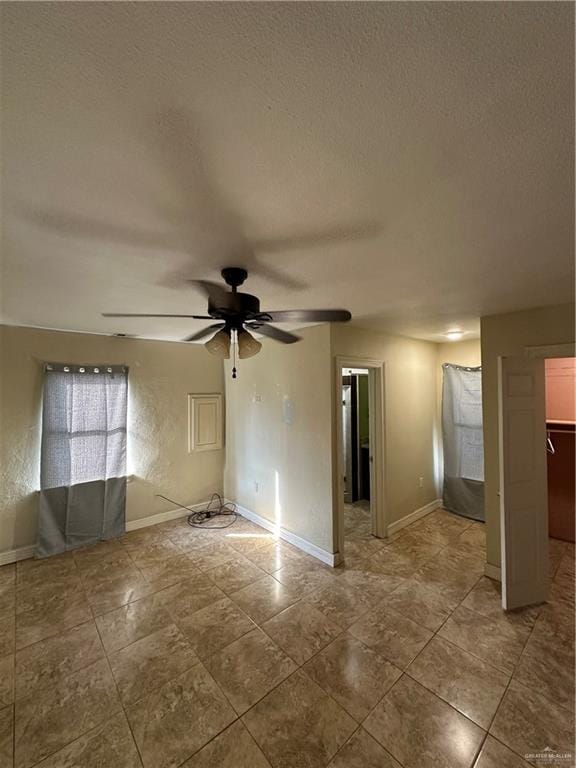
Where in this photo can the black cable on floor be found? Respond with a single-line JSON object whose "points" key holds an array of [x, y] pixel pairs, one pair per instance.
{"points": [[217, 507]]}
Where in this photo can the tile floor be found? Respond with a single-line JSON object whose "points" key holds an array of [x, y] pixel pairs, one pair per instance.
{"points": [[179, 647]]}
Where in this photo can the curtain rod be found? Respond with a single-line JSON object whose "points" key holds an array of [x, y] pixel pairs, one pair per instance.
{"points": [[71, 368]]}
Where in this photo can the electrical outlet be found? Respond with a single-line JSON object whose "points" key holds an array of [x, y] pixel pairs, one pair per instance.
{"points": [[420, 482], [256, 487]]}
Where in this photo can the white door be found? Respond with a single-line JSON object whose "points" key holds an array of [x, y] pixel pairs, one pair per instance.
{"points": [[523, 481]]}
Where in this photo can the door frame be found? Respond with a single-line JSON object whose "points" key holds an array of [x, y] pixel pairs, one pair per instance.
{"points": [[376, 407], [534, 351]]}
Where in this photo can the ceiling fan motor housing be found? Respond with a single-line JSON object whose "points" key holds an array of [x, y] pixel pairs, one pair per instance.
{"points": [[243, 305]]}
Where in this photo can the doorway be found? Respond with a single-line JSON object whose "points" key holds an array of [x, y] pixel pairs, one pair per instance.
{"points": [[356, 452], [535, 486], [359, 469]]}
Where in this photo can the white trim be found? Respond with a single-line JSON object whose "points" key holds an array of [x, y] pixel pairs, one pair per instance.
{"points": [[551, 350], [376, 384], [291, 538], [24, 553], [413, 516], [164, 517], [13, 555], [493, 571]]}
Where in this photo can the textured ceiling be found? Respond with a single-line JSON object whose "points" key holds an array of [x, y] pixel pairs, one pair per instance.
{"points": [[412, 162]]}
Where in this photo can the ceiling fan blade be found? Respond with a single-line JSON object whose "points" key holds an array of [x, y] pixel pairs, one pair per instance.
{"points": [[130, 314], [274, 333], [213, 291], [310, 316], [205, 332]]}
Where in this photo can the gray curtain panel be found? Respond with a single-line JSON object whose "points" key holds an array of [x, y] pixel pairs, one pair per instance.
{"points": [[463, 490], [83, 456]]}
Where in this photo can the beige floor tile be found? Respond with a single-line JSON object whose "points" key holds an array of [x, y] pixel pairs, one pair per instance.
{"points": [[141, 537], [360, 548], [451, 578], [391, 635], [165, 574], [150, 662], [274, 557], [40, 596], [375, 586], [549, 670], [8, 575], [173, 722], [45, 663], [301, 631], [495, 755], [35, 571], [6, 680], [233, 748], [152, 553], [100, 552], [341, 603], [353, 674], [120, 588], [7, 737], [493, 639], [214, 627], [421, 603], [110, 745], [249, 541], [422, 731], [486, 598], [249, 668], [235, 574], [362, 751], [129, 623], [443, 535], [95, 570], [7, 589], [470, 685], [473, 536], [264, 598], [48, 720], [50, 619], [187, 597], [528, 723], [7, 633], [298, 724], [304, 577], [555, 626], [403, 556], [214, 554]]}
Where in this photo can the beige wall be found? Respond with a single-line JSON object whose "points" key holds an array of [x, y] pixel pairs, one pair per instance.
{"points": [[508, 336], [161, 375], [458, 353], [410, 413], [291, 464]]}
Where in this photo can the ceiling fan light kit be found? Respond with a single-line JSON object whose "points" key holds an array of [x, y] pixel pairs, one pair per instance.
{"points": [[239, 314], [219, 344]]}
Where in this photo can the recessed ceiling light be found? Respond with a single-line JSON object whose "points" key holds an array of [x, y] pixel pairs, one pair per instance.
{"points": [[454, 335]]}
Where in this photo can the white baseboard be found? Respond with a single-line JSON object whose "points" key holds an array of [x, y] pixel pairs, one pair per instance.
{"points": [[23, 553], [311, 549], [13, 555], [493, 572], [413, 516], [163, 517]]}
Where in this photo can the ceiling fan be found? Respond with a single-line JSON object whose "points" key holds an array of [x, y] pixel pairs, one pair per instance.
{"points": [[239, 313]]}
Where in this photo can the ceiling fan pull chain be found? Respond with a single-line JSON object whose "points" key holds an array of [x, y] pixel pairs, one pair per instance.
{"points": [[234, 355]]}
